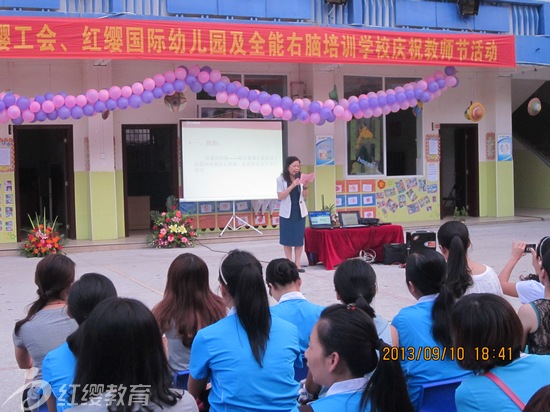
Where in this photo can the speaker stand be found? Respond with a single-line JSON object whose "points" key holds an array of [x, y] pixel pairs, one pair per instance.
{"points": [[236, 223]]}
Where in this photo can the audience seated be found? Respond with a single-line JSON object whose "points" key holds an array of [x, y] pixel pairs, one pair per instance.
{"points": [[343, 355], [121, 364], [355, 282], [535, 316], [487, 334], [529, 289], [463, 274], [249, 356], [425, 325], [47, 324], [188, 305], [59, 364], [540, 401], [284, 283]]}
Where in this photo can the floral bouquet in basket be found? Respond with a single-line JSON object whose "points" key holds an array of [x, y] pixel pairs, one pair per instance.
{"points": [[43, 239], [171, 228]]}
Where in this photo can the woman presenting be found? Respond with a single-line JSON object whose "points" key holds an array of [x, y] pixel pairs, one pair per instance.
{"points": [[293, 210]]}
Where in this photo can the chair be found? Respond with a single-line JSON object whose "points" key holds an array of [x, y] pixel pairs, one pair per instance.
{"points": [[439, 396], [180, 379], [451, 197]]}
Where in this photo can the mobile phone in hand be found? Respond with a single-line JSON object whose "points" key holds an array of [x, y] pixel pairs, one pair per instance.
{"points": [[529, 247]]}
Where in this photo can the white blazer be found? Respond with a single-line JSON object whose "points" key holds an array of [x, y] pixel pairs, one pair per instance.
{"points": [[284, 210]]}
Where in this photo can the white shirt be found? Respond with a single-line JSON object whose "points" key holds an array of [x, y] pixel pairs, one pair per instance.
{"points": [[486, 282]]}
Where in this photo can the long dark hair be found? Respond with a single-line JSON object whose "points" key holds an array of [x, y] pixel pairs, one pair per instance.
{"points": [[188, 303], [355, 282], [426, 271], [350, 332], [53, 276], [121, 346], [286, 174], [241, 273], [454, 236], [84, 296]]}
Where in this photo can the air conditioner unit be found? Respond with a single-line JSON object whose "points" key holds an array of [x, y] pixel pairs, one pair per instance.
{"points": [[340, 2], [468, 7]]}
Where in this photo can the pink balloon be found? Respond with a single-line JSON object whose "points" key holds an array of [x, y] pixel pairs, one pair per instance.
{"points": [[14, 112], [307, 102], [225, 79], [437, 93], [305, 120], [180, 73], [148, 84], [4, 118], [70, 102], [367, 113], [287, 115], [203, 77], [381, 93], [353, 99], [390, 91], [439, 75], [27, 116], [451, 81], [233, 99], [404, 105], [344, 103], [215, 75], [278, 111], [265, 109], [34, 107], [115, 92], [47, 106], [159, 80], [255, 106], [362, 96], [126, 91], [422, 85], [377, 112], [399, 89], [338, 111], [137, 88], [315, 118], [299, 102], [329, 104], [244, 103], [221, 97], [194, 70], [81, 100], [58, 101], [371, 94], [408, 86], [413, 102], [358, 114], [347, 115], [91, 95], [395, 107], [169, 76], [104, 95], [386, 109]]}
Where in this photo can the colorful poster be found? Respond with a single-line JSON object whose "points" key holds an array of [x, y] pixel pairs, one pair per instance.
{"points": [[504, 148], [324, 151]]}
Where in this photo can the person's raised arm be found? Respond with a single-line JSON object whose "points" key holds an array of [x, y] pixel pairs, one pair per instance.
{"points": [[509, 288], [282, 193]]}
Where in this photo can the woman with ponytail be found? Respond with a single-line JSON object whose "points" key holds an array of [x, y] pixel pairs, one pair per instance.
{"points": [[346, 355], [355, 282], [425, 325], [47, 324], [464, 275], [248, 356]]}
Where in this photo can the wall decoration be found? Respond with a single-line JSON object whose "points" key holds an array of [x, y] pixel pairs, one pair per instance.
{"points": [[504, 148], [352, 201], [324, 151], [490, 149], [433, 148], [7, 155]]}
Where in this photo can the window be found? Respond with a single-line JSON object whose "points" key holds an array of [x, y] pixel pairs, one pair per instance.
{"points": [[384, 145]]}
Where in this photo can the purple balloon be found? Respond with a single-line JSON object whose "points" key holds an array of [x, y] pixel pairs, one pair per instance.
{"points": [[373, 102], [409, 94], [110, 104], [263, 97], [382, 101], [331, 117], [231, 88], [275, 100], [49, 96], [363, 104], [40, 99], [2, 105], [302, 115], [206, 69], [433, 87], [99, 107], [220, 86], [253, 95], [441, 83], [325, 113], [179, 86], [390, 99], [52, 115], [295, 109], [135, 101], [41, 115], [400, 97], [9, 100], [168, 88], [208, 87], [450, 71], [23, 103], [426, 97], [157, 92], [314, 107], [147, 97], [76, 113], [19, 120], [242, 92], [196, 87], [418, 93], [286, 103], [88, 110], [190, 79], [354, 107], [123, 104], [64, 112]]}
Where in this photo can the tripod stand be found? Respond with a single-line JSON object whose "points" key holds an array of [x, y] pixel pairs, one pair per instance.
{"points": [[236, 223]]}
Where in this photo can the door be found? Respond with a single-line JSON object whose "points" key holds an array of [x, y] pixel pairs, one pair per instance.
{"points": [[459, 169], [44, 176]]}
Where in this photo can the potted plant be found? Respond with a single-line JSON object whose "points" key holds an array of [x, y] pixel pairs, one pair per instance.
{"points": [[43, 239], [172, 228]]}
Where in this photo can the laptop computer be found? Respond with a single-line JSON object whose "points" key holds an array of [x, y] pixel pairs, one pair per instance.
{"points": [[320, 219], [349, 219]]}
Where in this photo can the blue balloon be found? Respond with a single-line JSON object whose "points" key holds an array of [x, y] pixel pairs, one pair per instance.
{"points": [[179, 86], [2, 105], [242, 92], [220, 86], [231, 88], [401, 97], [302, 115], [147, 97], [206, 69], [168, 88], [253, 95], [190, 79], [40, 99], [331, 117], [9, 100], [111, 103], [19, 120], [409, 94], [122, 102], [450, 71], [433, 87], [64, 112], [382, 101], [275, 100], [441, 83], [418, 93], [23, 103], [52, 115], [314, 107], [363, 103], [263, 97], [49, 96], [196, 87], [426, 97], [373, 102], [157, 92], [41, 115], [324, 113], [208, 87], [135, 101], [99, 107], [88, 110], [354, 108], [295, 109], [76, 113], [286, 103], [390, 99]]}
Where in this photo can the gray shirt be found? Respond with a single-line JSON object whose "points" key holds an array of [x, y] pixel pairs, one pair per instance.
{"points": [[178, 353]]}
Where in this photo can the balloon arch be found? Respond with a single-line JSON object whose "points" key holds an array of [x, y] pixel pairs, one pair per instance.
{"points": [[50, 106]]}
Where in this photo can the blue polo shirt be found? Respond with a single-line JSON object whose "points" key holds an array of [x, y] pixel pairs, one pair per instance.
{"points": [[222, 352], [344, 396], [58, 370]]}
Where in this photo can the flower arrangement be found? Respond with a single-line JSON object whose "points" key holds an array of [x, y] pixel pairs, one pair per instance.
{"points": [[43, 239], [172, 228]]}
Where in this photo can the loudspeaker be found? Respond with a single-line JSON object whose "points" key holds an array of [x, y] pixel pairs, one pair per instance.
{"points": [[420, 240], [336, 1], [468, 7]]}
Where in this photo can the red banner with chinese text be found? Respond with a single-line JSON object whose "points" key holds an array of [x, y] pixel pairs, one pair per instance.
{"points": [[69, 38]]}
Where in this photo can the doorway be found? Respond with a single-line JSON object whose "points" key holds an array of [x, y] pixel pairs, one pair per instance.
{"points": [[150, 155], [459, 169], [44, 175]]}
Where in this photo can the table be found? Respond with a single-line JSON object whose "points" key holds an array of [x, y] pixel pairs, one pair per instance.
{"points": [[333, 246]]}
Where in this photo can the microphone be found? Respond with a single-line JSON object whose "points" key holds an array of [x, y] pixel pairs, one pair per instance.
{"points": [[298, 175]]}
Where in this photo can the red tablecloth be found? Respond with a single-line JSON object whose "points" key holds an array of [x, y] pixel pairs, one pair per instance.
{"points": [[333, 246]]}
